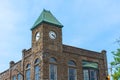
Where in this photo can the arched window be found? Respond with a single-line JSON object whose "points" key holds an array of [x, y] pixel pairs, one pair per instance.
{"points": [[37, 61], [71, 63], [72, 74], [37, 69], [14, 78], [53, 69], [28, 66], [19, 76], [90, 70], [53, 60], [28, 72]]}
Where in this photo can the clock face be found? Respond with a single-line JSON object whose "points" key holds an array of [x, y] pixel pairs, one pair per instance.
{"points": [[37, 36], [52, 34]]}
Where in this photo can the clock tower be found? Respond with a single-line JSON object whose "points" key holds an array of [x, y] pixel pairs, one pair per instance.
{"points": [[46, 33]]}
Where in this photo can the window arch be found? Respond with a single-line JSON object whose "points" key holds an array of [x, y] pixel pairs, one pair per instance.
{"points": [[14, 77], [37, 61], [72, 74], [71, 63], [53, 68], [28, 72], [28, 66], [53, 60], [37, 69]]}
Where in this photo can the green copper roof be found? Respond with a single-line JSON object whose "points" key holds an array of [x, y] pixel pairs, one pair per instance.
{"points": [[46, 16]]}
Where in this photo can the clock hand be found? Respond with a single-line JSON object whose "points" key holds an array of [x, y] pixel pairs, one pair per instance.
{"points": [[53, 35]]}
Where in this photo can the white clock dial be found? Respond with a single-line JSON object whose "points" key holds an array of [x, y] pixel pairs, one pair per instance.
{"points": [[37, 36], [52, 34]]}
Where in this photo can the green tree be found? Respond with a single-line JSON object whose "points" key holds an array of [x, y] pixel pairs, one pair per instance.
{"points": [[116, 65]]}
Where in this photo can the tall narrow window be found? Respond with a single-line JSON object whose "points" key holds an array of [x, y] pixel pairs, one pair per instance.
{"points": [[90, 70], [72, 74], [86, 74], [28, 72], [14, 78], [53, 69], [37, 69], [19, 76]]}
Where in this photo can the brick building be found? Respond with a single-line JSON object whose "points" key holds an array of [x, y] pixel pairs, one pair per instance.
{"points": [[49, 59]]}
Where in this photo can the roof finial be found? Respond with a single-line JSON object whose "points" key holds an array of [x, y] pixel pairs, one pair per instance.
{"points": [[46, 10]]}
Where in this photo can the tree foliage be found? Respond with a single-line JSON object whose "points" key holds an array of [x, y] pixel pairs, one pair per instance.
{"points": [[116, 65]]}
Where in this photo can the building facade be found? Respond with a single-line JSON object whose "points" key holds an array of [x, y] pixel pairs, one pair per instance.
{"points": [[49, 59]]}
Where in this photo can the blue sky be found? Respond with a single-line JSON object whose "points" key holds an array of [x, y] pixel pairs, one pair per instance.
{"points": [[88, 24]]}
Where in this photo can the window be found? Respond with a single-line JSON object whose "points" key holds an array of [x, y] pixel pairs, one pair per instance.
{"points": [[90, 70], [71, 63], [86, 75], [37, 69], [19, 76], [28, 72], [14, 78], [53, 69], [37, 61], [72, 74], [53, 60]]}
